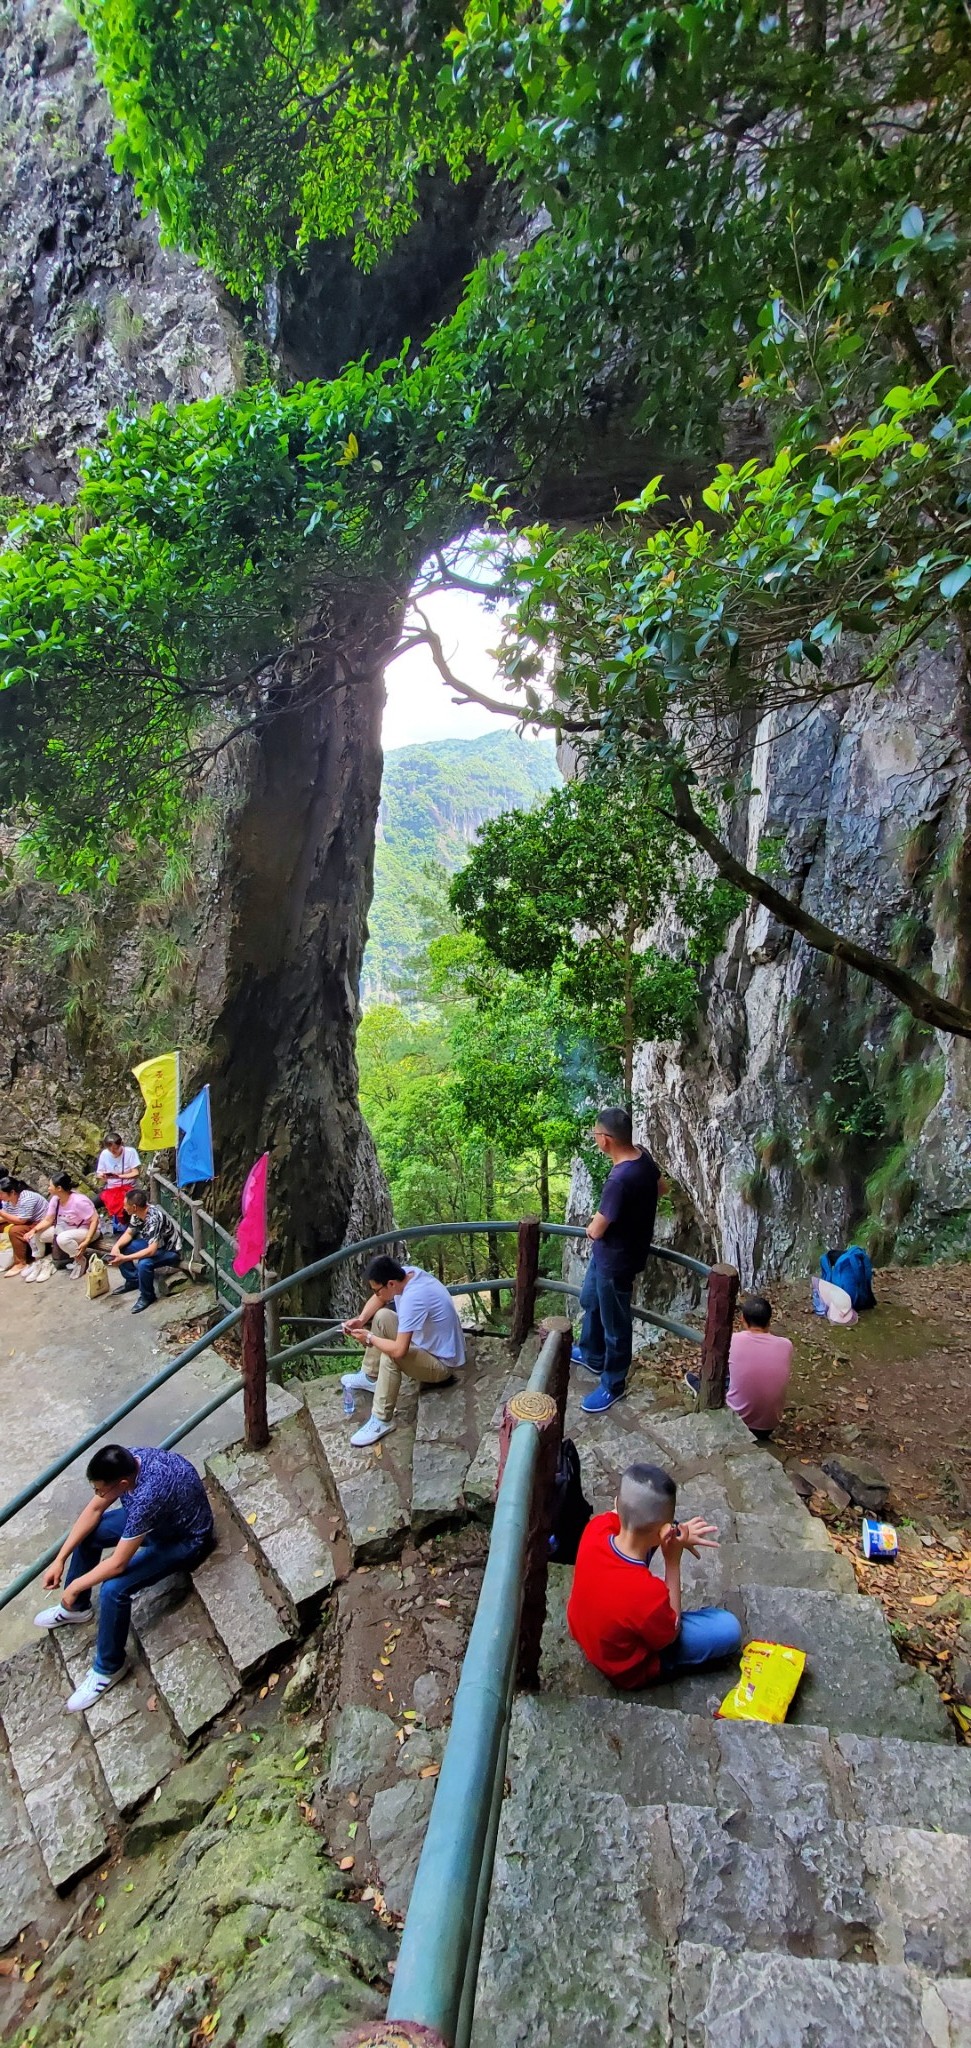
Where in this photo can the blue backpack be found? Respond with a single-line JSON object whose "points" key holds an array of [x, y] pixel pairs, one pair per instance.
{"points": [[852, 1271]]}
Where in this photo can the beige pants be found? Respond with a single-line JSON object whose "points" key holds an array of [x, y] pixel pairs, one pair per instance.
{"points": [[68, 1241], [416, 1365]]}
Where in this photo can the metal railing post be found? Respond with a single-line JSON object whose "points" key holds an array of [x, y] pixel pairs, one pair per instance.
{"points": [[527, 1274], [719, 1318], [542, 1411], [197, 1263], [257, 1428], [273, 1332]]}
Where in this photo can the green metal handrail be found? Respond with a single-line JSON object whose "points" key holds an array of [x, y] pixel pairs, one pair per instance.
{"points": [[644, 1315], [409, 1234], [438, 1961]]}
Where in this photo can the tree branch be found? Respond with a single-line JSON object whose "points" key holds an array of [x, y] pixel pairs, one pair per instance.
{"points": [[922, 1002], [541, 716]]}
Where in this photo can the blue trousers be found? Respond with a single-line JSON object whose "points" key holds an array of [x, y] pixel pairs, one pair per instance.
{"points": [[707, 1636], [141, 1274], [151, 1561], [606, 1337]]}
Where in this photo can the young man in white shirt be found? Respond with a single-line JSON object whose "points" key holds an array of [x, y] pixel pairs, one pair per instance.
{"points": [[408, 1325]]}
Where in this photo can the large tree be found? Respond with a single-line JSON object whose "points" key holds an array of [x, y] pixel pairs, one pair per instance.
{"points": [[661, 179]]}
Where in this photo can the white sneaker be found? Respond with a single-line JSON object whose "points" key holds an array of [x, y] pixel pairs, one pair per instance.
{"points": [[45, 1268], [371, 1433], [75, 1270], [28, 1272], [358, 1382], [63, 1617], [92, 1687]]}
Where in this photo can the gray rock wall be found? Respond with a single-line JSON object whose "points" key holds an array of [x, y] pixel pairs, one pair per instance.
{"points": [[867, 799]]}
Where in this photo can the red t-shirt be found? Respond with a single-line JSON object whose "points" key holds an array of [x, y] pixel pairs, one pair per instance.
{"points": [[618, 1610]]}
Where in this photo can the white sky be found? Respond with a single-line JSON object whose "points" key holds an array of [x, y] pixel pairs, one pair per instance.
{"points": [[419, 705]]}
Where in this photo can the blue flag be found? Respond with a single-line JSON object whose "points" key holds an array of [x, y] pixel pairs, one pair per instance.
{"points": [[194, 1157]]}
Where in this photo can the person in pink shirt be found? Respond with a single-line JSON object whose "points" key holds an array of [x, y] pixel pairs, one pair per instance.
{"points": [[759, 1369], [68, 1229]]}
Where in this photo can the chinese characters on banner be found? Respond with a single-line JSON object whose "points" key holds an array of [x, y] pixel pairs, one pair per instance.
{"points": [[158, 1080]]}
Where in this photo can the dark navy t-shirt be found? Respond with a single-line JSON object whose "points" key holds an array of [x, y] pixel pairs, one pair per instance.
{"points": [[629, 1202], [168, 1501]]}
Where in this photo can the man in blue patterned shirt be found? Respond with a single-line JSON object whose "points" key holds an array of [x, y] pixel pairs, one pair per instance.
{"points": [[151, 1512], [151, 1240]]}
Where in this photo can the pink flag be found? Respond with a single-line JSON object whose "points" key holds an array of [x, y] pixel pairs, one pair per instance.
{"points": [[251, 1235]]}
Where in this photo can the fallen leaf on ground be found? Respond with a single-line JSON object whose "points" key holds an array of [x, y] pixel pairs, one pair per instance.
{"points": [[8, 1966], [152, 1704], [251, 1519], [923, 1599], [346, 1863], [430, 1771], [273, 1681]]}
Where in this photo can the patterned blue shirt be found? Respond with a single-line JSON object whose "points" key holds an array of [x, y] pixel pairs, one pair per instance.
{"points": [[168, 1501]]}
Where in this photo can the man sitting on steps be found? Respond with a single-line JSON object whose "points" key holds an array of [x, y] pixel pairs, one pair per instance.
{"points": [[421, 1337], [151, 1510], [759, 1370], [628, 1622]]}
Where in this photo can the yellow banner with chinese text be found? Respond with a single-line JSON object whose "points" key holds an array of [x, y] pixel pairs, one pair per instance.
{"points": [[158, 1080]]}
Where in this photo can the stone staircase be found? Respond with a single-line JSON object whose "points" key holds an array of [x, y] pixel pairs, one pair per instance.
{"points": [[661, 1877], [666, 1878], [291, 1522]]}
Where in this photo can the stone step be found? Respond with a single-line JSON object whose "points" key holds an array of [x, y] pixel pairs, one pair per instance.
{"points": [[372, 1488], [54, 1762], [447, 1431], [188, 1667], [253, 1627], [492, 1392], [633, 1842], [854, 1681], [280, 1505], [27, 1897], [135, 1743]]}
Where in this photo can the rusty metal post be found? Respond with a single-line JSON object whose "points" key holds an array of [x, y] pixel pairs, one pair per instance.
{"points": [[257, 1429], [527, 1273], [541, 1410], [559, 1381], [719, 1321]]}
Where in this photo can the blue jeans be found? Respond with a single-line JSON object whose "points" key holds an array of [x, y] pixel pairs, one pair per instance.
{"points": [[707, 1636], [151, 1561], [142, 1273], [606, 1338]]}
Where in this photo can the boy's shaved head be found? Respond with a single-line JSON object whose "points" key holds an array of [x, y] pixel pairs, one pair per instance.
{"points": [[645, 1496]]}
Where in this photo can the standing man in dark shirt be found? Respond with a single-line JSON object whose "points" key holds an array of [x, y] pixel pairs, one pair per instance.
{"points": [[620, 1235]]}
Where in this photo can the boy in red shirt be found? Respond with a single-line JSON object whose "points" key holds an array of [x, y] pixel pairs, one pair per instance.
{"points": [[627, 1621]]}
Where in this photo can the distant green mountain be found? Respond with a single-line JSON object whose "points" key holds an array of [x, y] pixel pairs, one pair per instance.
{"points": [[433, 800]]}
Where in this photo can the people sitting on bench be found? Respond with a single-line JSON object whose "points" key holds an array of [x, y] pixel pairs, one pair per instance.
{"points": [[151, 1240], [68, 1228], [627, 1621]]}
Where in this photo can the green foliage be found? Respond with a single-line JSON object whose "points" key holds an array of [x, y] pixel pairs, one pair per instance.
{"points": [[565, 894], [433, 798]]}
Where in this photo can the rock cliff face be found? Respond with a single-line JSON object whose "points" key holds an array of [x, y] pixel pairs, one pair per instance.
{"points": [[251, 962], [809, 1108]]}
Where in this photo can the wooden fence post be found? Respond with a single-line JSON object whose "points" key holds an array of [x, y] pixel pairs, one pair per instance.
{"points": [[256, 1427], [559, 1386], [527, 1273], [719, 1319], [273, 1329], [542, 1411]]}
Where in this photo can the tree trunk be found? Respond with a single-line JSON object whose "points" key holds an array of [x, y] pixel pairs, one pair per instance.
{"points": [[277, 996], [544, 1185]]}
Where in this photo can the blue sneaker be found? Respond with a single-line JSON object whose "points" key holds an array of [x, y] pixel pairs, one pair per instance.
{"points": [[577, 1358], [598, 1402]]}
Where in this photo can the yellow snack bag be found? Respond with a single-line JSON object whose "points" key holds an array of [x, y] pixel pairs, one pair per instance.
{"points": [[770, 1675]]}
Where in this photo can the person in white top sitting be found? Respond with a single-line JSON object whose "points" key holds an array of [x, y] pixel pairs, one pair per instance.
{"points": [[420, 1336], [115, 1174]]}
